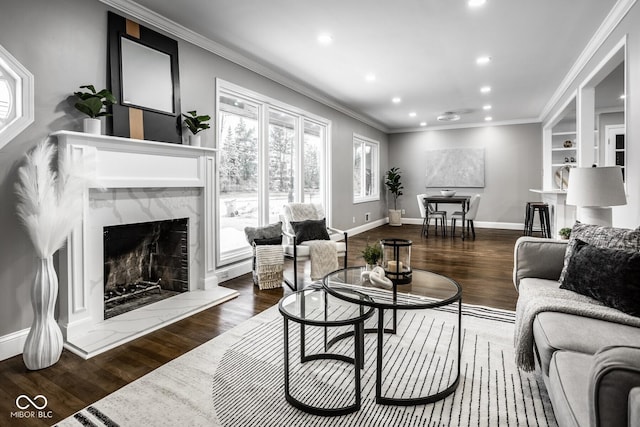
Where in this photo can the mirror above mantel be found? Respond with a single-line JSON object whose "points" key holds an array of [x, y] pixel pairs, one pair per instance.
{"points": [[16, 97], [144, 73]]}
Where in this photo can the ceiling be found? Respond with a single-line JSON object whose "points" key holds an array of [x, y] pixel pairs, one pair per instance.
{"points": [[423, 51]]}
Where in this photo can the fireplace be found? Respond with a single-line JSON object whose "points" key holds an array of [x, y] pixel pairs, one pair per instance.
{"points": [[138, 185], [144, 263]]}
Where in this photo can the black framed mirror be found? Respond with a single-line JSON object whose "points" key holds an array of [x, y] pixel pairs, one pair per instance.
{"points": [[143, 67]]}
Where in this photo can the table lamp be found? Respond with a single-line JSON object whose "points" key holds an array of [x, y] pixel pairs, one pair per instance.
{"points": [[594, 190]]}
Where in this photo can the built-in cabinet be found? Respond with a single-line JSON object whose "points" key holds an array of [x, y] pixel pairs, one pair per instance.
{"points": [[564, 154]]}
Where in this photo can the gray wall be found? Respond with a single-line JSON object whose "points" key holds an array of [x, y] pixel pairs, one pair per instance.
{"points": [[64, 44], [513, 165]]}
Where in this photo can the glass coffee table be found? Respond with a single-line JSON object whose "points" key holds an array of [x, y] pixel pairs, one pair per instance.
{"points": [[427, 290]]}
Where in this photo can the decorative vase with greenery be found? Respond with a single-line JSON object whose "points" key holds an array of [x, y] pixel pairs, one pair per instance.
{"points": [[195, 124], [49, 206], [565, 232], [94, 105], [392, 181], [371, 254]]}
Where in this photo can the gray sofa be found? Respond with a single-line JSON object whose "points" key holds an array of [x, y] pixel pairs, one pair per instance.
{"points": [[591, 367]]}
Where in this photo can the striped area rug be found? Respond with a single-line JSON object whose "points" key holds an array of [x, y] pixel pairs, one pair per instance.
{"points": [[236, 379]]}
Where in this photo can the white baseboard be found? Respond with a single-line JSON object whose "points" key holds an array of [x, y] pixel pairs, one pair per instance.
{"points": [[12, 344], [368, 226], [477, 224], [233, 270]]}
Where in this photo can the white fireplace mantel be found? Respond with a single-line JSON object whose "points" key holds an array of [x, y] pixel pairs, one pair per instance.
{"points": [[135, 181]]}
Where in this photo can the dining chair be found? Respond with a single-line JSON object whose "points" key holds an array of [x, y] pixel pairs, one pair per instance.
{"points": [[469, 216], [427, 212]]}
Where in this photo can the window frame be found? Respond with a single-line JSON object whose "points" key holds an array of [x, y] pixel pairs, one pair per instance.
{"points": [[266, 105], [364, 141]]}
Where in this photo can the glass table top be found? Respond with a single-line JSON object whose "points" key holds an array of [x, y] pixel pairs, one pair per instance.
{"points": [[314, 306], [426, 290]]}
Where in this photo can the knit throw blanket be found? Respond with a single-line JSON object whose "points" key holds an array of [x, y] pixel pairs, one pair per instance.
{"points": [[536, 299], [324, 257], [269, 265]]}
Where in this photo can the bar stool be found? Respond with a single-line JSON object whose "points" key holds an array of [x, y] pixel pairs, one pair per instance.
{"points": [[543, 213]]}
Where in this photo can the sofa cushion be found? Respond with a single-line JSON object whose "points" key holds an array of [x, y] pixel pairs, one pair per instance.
{"points": [[610, 276], [554, 331], [568, 387], [602, 237]]}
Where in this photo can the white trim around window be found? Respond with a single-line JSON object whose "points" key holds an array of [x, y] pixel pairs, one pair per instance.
{"points": [[366, 169]]}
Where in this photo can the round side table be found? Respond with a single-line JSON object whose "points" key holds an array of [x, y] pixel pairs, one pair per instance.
{"points": [[315, 307]]}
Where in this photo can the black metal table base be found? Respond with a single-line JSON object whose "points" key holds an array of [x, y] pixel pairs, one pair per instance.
{"points": [[380, 399], [357, 361]]}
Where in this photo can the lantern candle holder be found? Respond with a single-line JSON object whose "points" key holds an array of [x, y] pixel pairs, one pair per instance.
{"points": [[396, 260]]}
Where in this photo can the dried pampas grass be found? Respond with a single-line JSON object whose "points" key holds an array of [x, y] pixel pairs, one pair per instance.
{"points": [[49, 202]]}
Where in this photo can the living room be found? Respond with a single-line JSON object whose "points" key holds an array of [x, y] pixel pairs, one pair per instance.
{"points": [[64, 45]]}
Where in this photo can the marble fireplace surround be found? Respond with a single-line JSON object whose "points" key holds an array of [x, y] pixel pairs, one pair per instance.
{"points": [[135, 181]]}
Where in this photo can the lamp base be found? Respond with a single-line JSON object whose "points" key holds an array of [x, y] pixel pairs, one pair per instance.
{"points": [[595, 215]]}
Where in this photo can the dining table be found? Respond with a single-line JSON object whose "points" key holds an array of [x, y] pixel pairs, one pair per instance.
{"points": [[462, 200]]}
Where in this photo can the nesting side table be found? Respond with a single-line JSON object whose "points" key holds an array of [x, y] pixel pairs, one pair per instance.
{"points": [[315, 307]]}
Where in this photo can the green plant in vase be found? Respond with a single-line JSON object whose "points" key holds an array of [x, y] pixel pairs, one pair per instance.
{"points": [[195, 123], [94, 104], [372, 253], [392, 181], [565, 232]]}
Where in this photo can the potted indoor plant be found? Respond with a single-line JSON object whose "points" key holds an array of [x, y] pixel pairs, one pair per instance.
{"points": [[195, 124], [371, 254], [392, 181], [94, 104], [564, 233]]}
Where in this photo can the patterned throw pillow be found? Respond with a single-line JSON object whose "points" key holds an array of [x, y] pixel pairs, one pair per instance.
{"points": [[310, 229], [600, 237], [270, 231], [606, 275]]}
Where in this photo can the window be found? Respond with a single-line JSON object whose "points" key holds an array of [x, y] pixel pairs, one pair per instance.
{"points": [[366, 182], [269, 154]]}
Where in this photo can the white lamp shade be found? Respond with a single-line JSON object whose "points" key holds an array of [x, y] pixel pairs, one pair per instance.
{"points": [[596, 187]]}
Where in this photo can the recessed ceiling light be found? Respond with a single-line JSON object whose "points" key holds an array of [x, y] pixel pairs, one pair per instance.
{"points": [[488, 119], [325, 39], [476, 3], [423, 123], [448, 116], [396, 100], [412, 114], [483, 60], [623, 96], [370, 77], [485, 89], [486, 107]]}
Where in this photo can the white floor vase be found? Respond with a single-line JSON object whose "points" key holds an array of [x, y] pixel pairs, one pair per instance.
{"points": [[44, 342]]}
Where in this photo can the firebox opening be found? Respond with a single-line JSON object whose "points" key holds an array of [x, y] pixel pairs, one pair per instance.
{"points": [[144, 263]]}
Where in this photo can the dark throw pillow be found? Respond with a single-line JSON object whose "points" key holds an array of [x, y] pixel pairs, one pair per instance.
{"points": [[611, 276], [310, 229], [270, 231], [601, 237], [268, 241]]}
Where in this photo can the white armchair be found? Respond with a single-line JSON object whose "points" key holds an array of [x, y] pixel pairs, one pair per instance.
{"points": [[301, 252]]}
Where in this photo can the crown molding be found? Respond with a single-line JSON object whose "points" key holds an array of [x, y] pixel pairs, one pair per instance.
{"points": [[616, 14], [168, 26], [466, 125]]}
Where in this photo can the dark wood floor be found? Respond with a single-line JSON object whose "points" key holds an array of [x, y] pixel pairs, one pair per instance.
{"points": [[482, 266]]}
